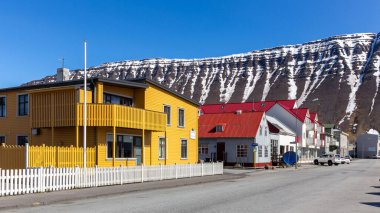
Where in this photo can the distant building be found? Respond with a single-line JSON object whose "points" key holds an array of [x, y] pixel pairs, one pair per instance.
{"points": [[368, 145]]}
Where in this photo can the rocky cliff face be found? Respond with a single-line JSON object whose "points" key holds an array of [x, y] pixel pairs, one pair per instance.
{"points": [[338, 77]]}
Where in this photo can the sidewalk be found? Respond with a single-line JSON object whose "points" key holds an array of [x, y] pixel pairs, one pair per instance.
{"points": [[29, 200]]}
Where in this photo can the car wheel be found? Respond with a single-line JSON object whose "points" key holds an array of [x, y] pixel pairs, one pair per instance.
{"points": [[336, 164], [330, 163], [315, 162]]}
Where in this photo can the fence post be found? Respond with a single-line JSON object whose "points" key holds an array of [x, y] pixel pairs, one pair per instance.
{"points": [[213, 169], [121, 175], [176, 171], [26, 155], [160, 171], [142, 173], [202, 169], [76, 177], [96, 175]]}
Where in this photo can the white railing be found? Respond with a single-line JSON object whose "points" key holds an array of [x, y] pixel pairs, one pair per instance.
{"points": [[34, 180]]}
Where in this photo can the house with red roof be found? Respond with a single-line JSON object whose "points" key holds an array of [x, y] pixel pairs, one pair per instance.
{"points": [[306, 126], [232, 137]]}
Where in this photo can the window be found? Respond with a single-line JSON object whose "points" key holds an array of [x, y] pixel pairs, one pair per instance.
{"points": [[203, 149], [125, 146], [115, 99], [266, 151], [292, 148], [181, 117], [183, 149], [23, 105], [242, 151], [22, 140], [260, 151], [167, 111], [2, 139], [219, 128], [161, 148], [266, 131], [3, 105]]}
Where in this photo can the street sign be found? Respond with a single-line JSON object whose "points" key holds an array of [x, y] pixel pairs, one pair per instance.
{"points": [[254, 144]]}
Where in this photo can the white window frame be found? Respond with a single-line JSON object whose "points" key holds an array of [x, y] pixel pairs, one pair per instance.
{"points": [[246, 152], [187, 148], [5, 107], [123, 134], [184, 121], [170, 114], [260, 151], [160, 157], [202, 147], [17, 107], [266, 151]]}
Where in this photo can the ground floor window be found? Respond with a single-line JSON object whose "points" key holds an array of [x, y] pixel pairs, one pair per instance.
{"points": [[126, 146], [260, 151], [183, 148], [242, 151], [2, 139], [266, 152], [203, 149], [161, 148], [22, 140]]}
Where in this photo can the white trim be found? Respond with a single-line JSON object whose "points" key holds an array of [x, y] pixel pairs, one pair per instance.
{"points": [[184, 121], [5, 114], [17, 104], [170, 120], [187, 148]]}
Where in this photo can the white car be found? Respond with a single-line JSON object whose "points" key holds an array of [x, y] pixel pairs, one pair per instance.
{"points": [[330, 159], [346, 160]]}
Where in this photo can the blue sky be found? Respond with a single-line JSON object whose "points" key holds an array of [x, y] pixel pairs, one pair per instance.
{"points": [[35, 34]]}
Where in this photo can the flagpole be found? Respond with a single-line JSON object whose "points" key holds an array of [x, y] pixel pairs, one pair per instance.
{"points": [[85, 106]]}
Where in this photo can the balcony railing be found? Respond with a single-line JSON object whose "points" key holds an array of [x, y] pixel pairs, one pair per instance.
{"points": [[99, 115]]}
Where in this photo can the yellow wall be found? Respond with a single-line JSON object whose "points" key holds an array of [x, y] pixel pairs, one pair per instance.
{"points": [[155, 99]]}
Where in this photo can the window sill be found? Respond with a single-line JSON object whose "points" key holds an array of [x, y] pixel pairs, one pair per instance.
{"points": [[161, 159], [182, 127], [127, 159], [184, 158]]}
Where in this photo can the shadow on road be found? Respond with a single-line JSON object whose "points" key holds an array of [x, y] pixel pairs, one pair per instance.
{"points": [[373, 193], [376, 187], [375, 204]]}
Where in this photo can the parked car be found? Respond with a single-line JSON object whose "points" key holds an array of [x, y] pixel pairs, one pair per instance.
{"points": [[330, 159], [346, 160], [376, 157]]}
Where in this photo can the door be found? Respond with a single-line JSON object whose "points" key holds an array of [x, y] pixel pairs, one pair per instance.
{"points": [[220, 151], [137, 149]]}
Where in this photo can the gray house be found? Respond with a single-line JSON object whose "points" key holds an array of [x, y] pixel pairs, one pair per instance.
{"points": [[368, 145]]}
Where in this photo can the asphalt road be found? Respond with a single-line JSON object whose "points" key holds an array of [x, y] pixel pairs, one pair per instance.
{"points": [[343, 188]]}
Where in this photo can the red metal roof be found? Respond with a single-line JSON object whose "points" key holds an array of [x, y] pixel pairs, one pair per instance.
{"points": [[261, 106], [243, 125], [299, 113]]}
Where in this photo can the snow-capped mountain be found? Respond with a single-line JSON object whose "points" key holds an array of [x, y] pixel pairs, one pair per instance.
{"points": [[339, 77]]}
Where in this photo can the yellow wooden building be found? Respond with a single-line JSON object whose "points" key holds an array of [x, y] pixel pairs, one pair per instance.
{"points": [[129, 122]]}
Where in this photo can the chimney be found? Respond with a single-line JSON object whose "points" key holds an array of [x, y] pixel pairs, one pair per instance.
{"points": [[63, 74], [238, 112]]}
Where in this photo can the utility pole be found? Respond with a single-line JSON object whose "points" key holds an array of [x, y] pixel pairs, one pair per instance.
{"points": [[85, 106]]}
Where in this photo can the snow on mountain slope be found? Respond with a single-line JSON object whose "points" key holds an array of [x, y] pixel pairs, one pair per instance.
{"points": [[340, 72]]}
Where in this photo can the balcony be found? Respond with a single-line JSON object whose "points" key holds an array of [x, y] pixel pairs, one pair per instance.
{"points": [[107, 115]]}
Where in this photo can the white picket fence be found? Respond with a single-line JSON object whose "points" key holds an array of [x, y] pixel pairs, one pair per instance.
{"points": [[34, 180]]}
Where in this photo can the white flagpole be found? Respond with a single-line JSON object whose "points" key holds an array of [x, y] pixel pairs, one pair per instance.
{"points": [[85, 106]]}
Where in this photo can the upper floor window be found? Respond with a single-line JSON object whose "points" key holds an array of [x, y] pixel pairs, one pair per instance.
{"points": [[23, 105], [219, 128], [181, 117], [167, 111], [266, 131], [261, 130], [22, 140], [115, 99], [3, 105]]}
